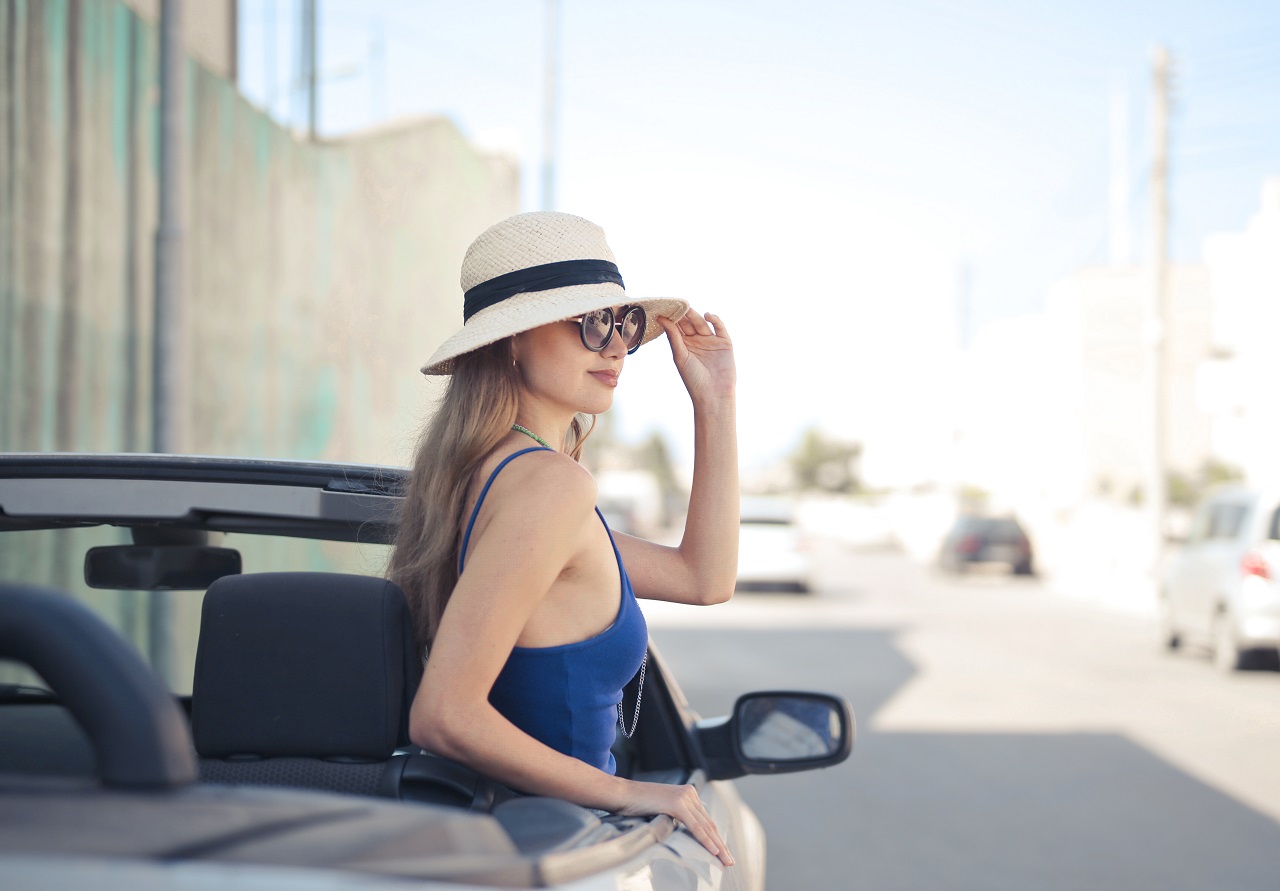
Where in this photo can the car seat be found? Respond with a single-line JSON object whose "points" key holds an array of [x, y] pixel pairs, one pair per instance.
{"points": [[303, 679]]}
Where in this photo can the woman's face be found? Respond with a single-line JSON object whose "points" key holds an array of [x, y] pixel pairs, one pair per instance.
{"points": [[556, 369]]}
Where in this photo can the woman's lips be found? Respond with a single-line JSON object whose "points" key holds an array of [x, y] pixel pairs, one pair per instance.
{"points": [[607, 377]]}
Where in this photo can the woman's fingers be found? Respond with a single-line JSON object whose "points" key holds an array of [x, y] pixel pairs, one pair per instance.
{"points": [[721, 330], [675, 336], [709, 837], [702, 827], [693, 324], [702, 351], [684, 805]]}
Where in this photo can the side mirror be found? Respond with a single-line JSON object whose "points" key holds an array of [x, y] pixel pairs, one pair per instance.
{"points": [[158, 567], [777, 732]]}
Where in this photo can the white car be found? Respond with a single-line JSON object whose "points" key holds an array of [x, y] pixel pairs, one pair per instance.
{"points": [[1222, 587], [773, 551]]}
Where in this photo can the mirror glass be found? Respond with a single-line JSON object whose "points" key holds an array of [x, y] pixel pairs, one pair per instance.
{"points": [[788, 728], [158, 568]]}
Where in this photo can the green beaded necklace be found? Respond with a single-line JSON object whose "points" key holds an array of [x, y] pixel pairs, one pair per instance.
{"points": [[527, 432]]}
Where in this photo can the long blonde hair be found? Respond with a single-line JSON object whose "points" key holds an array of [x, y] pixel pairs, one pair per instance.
{"points": [[480, 404]]}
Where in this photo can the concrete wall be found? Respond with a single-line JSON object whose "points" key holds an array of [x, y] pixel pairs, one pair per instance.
{"points": [[208, 30], [317, 276]]}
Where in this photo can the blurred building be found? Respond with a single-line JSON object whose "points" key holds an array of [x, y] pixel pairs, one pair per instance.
{"points": [[1055, 406], [1097, 318], [1237, 382]]}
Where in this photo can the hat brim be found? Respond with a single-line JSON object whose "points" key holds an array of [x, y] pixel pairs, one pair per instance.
{"points": [[532, 309]]}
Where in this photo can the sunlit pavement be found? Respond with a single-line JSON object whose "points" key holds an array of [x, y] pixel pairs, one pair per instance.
{"points": [[1010, 735]]}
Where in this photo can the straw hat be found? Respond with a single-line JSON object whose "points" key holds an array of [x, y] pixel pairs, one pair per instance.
{"points": [[533, 269]]}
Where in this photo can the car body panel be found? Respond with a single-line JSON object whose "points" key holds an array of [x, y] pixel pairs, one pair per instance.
{"points": [[1201, 574]]}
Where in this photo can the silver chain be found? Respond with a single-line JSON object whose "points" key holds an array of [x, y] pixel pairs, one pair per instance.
{"points": [[635, 719]]}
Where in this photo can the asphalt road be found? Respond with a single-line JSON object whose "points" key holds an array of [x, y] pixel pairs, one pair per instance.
{"points": [[1009, 737]]}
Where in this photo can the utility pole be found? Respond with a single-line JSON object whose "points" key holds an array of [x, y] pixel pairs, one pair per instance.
{"points": [[269, 46], [1157, 316], [1119, 217], [549, 109], [378, 72], [168, 374], [309, 64], [166, 367]]}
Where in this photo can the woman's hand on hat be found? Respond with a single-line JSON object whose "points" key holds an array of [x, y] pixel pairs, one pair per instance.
{"points": [[703, 353]]}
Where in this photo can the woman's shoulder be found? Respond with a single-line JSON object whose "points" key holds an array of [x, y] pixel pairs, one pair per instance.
{"points": [[542, 477]]}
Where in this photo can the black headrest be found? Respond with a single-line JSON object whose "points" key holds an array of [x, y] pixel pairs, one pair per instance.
{"points": [[308, 664]]}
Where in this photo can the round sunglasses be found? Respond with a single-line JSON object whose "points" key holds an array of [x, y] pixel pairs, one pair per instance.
{"points": [[597, 327]]}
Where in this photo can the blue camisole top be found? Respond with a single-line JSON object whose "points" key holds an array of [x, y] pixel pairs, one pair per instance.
{"points": [[567, 696]]}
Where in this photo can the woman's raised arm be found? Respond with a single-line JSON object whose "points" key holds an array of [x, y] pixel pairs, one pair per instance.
{"points": [[703, 568]]}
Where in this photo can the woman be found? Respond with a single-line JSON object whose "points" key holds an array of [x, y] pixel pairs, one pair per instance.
{"points": [[523, 598]]}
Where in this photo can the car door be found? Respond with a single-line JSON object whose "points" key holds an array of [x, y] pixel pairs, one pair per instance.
{"points": [[663, 750], [1217, 565]]}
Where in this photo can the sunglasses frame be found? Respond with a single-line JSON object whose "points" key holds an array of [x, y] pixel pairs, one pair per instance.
{"points": [[616, 321]]}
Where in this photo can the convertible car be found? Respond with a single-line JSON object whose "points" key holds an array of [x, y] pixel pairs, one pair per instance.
{"points": [[205, 680]]}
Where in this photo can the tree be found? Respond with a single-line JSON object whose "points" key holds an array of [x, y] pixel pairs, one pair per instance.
{"points": [[825, 465], [1186, 490], [654, 456]]}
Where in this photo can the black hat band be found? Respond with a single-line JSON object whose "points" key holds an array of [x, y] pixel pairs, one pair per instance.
{"points": [[538, 278]]}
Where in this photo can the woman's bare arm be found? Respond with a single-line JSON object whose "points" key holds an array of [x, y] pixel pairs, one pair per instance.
{"points": [[704, 567]]}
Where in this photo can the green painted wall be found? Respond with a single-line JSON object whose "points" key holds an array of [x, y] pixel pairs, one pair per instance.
{"points": [[318, 277]]}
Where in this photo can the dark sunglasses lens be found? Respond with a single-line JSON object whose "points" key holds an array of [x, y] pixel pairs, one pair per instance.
{"points": [[633, 325], [596, 328]]}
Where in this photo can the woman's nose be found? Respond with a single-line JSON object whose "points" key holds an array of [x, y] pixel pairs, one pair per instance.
{"points": [[616, 348]]}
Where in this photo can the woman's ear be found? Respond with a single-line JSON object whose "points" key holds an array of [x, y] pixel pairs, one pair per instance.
{"points": [[515, 357]]}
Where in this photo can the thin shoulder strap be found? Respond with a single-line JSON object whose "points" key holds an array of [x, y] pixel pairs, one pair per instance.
{"points": [[475, 512]]}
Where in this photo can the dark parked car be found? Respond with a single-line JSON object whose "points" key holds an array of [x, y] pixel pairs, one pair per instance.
{"points": [[265, 746], [979, 540]]}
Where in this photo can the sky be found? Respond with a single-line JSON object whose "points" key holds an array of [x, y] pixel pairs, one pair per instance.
{"points": [[856, 187]]}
